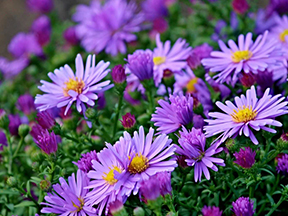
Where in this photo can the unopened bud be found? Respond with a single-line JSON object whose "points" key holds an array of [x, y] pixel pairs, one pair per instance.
{"points": [[11, 181], [91, 113], [138, 211], [23, 130], [45, 185]]}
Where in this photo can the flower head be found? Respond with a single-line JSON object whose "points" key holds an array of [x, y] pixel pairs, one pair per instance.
{"points": [[243, 206], [278, 6], [211, 211], [24, 45], [248, 56], [46, 141], [167, 57], [248, 113], [41, 28], [41, 6], [170, 116], [103, 175], [68, 198], [67, 87], [108, 26], [283, 164], [154, 9], [245, 157], [240, 6], [85, 162], [140, 63], [14, 67], [118, 74], [70, 36], [25, 103], [45, 119], [141, 158], [128, 121], [193, 147], [197, 54], [14, 123]]}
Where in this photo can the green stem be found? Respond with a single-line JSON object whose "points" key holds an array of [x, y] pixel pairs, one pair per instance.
{"points": [[70, 137], [150, 101], [275, 206], [183, 182], [117, 113], [10, 152], [18, 147], [21, 190], [170, 204]]}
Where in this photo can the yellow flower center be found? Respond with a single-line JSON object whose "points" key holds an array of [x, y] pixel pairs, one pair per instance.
{"points": [[238, 56], [79, 208], [283, 35], [138, 164], [75, 85], [243, 114], [159, 60], [191, 85], [109, 178]]}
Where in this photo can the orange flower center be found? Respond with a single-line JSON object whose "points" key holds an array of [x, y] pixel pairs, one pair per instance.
{"points": [[243, 114], [76, 85], [138, 164], [241, 55], [283, 35]]}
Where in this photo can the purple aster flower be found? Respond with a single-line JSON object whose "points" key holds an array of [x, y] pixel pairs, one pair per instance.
{"points": [[248, 56], [223, 89], [171, 116], [46, 141], [128, 121], [249, 113], [140, 63], [70, 36], [104, 176], [67, 87], [14, 67], [107, 27], [154, 9], [25, 103], [193, 147], [243, 207], [150, 188], [14, 123], [68, 199], [218, 34], [245, 157], [211, 211], [282, 165], [118, 74], [167, 57], [41, 6], [45, 119], [3, 141], [142, 157], [264, 22], [197, 54], [116, 207], [85, 162], [41, 28], [164, 179], [24, 45]]}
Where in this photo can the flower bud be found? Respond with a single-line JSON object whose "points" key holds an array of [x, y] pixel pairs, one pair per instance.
{"points": [[168, 78], [4, 120], [45, 185], [91, 113], [70, 36], [118, 74], [245, 157], [138, 211], [23, 130], [240, 6], [128, 121], [117, 208], [11, 181]]}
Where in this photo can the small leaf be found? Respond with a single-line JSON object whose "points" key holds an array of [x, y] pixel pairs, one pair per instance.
{"points": [[25, 204], [28, 187], [11, 192], [270, 199]]}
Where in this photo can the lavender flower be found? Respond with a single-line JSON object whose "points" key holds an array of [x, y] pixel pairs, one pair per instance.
{"points": [[247, 56], [41, 28], [193, 147], [140, 63], [14, 123], [41, 6], [68, 87], [170, 116], [141, 158], [47, 141], [107, 27], [3, 139], [25, 103], [150, 188], [24, 45], [167, 57], [278, 6], [14, 67], [211, 211], [45, 119], [70, 36], [243, 206], [197, 54], [85, 162], [245, 157], [282, 165], [69, 198], [154, 9], [248, 113]]}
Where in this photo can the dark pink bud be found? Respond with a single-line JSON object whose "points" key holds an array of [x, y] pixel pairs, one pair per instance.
{"points": [[118, 74], [240, 6], [128, 121]]}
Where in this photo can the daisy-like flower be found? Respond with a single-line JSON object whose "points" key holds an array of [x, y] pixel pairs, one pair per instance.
{"points": [[248, 56], [193, 147], [248, 113], [68, 199], [170, 116], [107, 27], [167, 57], [67, 87], [103, 180], [141, 158]]}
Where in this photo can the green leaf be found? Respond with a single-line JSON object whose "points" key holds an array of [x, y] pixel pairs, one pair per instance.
{"points": [[28, 188], [25, 204], [11, 192], [10, 206], [270, 199]]}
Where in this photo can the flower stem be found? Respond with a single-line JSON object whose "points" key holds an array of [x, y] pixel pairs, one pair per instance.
{"points": [[276, 206], [18, 147], [117, 113]]}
